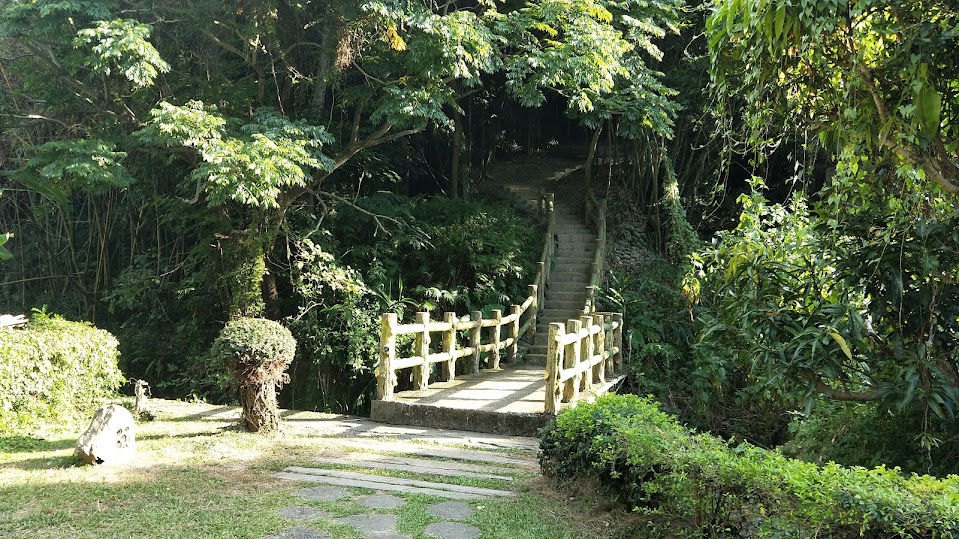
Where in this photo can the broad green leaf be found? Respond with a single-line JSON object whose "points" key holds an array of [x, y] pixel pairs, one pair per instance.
{"points": [[842, 343]]}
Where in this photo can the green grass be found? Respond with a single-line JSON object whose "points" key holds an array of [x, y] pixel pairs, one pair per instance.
{"points": [[198, 475]]}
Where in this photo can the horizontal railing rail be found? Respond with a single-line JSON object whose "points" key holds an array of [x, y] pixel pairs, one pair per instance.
{"points": [[463, 337], [580, 354]]}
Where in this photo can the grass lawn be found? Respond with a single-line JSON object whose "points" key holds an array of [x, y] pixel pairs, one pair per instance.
{"points": [[198, 475]]}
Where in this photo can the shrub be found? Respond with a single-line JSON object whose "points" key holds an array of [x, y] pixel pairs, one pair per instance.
{"points": [[256, 352], [657, 466], [53, 373]]}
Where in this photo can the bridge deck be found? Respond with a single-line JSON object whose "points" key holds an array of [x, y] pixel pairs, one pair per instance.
{"points": [[506, 401]]}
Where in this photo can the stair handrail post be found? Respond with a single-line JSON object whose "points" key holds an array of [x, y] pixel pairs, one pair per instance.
{"points": [[599, 347], [512, 333], [543, 273], [554, 357], [421, 372], [590, 300], [476, 338], [497, 334], [385, 377], [618, 342], [571, 360], [449, 347], [585, 379], [533, 307]]}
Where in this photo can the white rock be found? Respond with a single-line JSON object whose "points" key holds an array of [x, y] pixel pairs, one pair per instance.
{"points": [[110, 438]]}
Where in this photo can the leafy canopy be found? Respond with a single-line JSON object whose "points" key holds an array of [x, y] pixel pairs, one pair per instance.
{"points": [[871, 77]]}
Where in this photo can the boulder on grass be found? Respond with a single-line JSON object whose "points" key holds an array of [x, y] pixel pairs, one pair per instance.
{"points": [[110, 438]]}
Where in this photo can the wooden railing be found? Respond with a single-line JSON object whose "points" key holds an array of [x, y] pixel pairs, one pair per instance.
{"points": [[579, 355], [465, 337], [596, 216]]}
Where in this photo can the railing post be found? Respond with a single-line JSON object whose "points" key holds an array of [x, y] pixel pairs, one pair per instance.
{"points": [[586, 354], [449, 347], [512, 333], [385, 378], [476, 334], [571, 360], [421, 373], [533, 308], [599, 370], [494, 354], [554, 353], [618, 342], [590, 300]]}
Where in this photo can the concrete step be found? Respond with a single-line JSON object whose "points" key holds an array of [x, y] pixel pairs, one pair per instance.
{"points": [[565, 294], [564, 265], [567, 280], [560, 313], [564, 305]]}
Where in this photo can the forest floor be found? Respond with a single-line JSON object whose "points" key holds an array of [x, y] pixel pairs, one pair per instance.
{"points": [[198, 474]]}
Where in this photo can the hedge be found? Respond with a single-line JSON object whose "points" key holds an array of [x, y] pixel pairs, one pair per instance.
{"points": [[706, 487], [54, 373]]}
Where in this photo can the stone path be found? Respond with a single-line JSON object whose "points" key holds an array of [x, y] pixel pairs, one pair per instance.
{"points": [[375, 496], [377, 522]]}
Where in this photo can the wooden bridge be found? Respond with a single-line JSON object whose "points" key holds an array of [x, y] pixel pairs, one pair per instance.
{"points": [[508, 373]]}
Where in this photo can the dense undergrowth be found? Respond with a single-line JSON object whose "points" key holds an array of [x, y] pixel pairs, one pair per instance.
{"points": [[697, 485], [53, 373]]}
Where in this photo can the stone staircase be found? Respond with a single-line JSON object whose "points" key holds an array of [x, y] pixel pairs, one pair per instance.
{"points": [[569, 277], [575, 245]]}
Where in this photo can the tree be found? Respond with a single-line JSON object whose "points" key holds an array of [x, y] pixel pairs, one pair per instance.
{"points": [[180, 156], [872, 78]]}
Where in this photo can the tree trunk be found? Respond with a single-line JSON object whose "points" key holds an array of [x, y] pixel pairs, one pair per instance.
{"points": [[590, 157], [260, 411], [318, 106], [455, 154]]}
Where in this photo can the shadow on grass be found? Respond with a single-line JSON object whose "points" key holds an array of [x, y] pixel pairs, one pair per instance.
{"points": [[29, 444]]}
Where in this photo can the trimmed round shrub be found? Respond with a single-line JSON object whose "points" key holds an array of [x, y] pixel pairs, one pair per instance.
{"points": [[54, 373], [256, 353]]}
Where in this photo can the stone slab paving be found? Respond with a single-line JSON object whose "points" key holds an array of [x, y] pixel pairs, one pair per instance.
{"points": [[322, 493], [337, 477], [452, 530], [450, 510], [381, 501], [387, 536], [302, 512], [374, 524], [300, 533]]}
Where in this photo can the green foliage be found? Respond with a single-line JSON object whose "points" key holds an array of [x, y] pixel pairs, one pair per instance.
{"points": [[867, 76], [868, 434], [252, 165], [4, 253], [54, 373], [122, 45], [704, 487], [89, 165], [254, 350], [855, 310], [595, 54]]}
